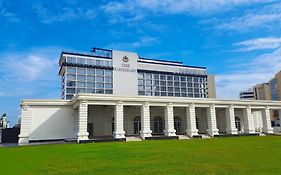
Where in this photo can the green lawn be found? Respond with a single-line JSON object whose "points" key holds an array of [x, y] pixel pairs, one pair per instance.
{"points": [[236, 155]]}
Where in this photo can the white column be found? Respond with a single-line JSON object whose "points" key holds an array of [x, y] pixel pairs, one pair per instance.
{"points": [[169, 120], [248, 120], [191, 121], [230, 121], [212, 121], [25, 126], [145, 121], [119, 132], [82, 121], [266, 122]]}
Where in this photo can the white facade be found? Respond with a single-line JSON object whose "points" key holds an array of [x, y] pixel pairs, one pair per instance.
{"points": [[124, 73], [92, 116]]}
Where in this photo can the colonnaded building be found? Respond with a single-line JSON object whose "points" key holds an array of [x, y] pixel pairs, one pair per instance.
{"points": [[108, 94]]}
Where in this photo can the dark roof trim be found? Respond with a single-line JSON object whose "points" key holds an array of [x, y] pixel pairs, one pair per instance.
{"points": [[82, 54], [97, 48], [179, 62], [171, 73], [198, 67], [84, 66]]}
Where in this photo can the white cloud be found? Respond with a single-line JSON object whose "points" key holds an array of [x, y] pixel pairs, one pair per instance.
{"points": [[261, 69], [136, 9], [29, 73], [50, 15], [259, 44], [141, 42], [267, 17]]}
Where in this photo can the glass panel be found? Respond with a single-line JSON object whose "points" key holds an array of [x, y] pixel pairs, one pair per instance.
{"points": [[99, 85], [99, 72], [108, 73], [99, 79], [80, 60], [81, 77], [70, 90], [81, 90], [70, 83], [90, 85], [90, 78], [140, 75], [156, 76], [81, 84], [71, 70], [108, 79], [108, 91], [90, 71], [108, 86], [81, 71]]}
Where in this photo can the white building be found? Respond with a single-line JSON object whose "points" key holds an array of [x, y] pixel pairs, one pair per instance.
{"points": [[126, 95], [249, 94]]}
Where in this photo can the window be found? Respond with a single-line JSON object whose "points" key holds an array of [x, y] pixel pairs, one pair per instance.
{"points": [[91, 62], [108, 73], [158, 124], [140, 75], [99, 79], [238, 123], [177, 124], [81, 77], [80, 60], [90, 71], [99, 72], [90, 85], [108, 79], [99, 85], [169, 77], [137, 125], [108, 86], [71, 70], [80, 84], [81, 71], [112, 125], [70, 90], [90, 78]]}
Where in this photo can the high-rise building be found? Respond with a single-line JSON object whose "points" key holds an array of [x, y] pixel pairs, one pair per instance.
{"points": [[101, 72], [262, 91]]}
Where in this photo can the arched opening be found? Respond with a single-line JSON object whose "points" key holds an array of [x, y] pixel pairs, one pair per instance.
{"points": [[137, 125], [238, 123], [158, 125], [177, 124]]}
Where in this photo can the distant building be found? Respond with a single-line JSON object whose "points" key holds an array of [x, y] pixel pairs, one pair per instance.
{"points": [[266, 91], [249, 94], [262, 91]]}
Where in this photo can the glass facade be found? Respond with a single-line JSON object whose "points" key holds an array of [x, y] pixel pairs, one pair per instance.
{"points": [[84, 75], [273, 87], [161, 84]]}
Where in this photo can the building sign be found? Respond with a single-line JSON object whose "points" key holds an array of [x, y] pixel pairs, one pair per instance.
{"points": [[125, 66], [125, 59]]}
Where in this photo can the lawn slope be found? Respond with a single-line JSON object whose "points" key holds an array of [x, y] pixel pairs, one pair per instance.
{"points": [[236, 155]]}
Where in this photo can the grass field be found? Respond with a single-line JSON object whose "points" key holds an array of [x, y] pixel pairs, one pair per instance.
{"points": [[236, 155]]}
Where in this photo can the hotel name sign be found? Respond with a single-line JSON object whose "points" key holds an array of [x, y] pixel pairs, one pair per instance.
{"points": [[125, 66]]}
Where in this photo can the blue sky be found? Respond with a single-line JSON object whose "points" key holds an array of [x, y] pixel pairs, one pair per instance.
{"points": [[237, 40]]}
